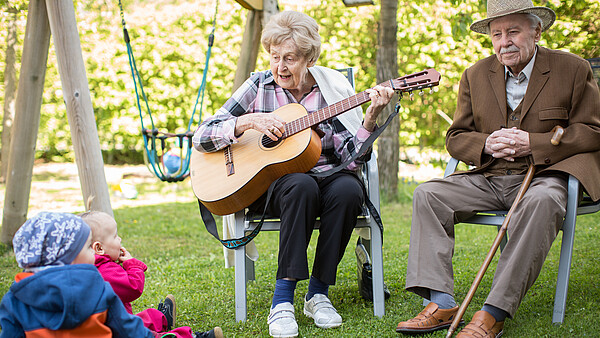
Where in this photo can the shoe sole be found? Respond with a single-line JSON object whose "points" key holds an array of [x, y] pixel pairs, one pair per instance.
{"points": [[283, 335], [427, 330], [322, 326]]}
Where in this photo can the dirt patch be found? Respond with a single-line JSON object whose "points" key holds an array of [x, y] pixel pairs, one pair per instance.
{"points": [[56, 187]]}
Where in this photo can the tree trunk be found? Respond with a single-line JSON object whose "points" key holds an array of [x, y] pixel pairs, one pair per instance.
{"points": [[388, 146], [10, 90]]}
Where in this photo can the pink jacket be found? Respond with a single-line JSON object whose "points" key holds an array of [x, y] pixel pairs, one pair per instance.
{"points": [[127, 281]]}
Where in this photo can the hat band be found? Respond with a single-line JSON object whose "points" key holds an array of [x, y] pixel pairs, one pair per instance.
{"points": [[509, 11]]}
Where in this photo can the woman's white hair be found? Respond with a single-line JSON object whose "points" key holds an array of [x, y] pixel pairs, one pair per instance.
{"points": [[299, 27]]}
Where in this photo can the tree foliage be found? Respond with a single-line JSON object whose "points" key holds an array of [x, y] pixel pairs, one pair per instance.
{"points": [[169, 41]]}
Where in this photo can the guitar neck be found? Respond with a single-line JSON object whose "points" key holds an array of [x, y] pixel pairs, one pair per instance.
{"points": [[417, 81], [328, 112]]}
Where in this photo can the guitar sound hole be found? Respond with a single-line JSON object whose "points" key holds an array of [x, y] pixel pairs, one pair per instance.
{"points": [[268, 143]]}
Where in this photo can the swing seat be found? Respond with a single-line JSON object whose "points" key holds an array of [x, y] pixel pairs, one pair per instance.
{"points": [[165, 162]]}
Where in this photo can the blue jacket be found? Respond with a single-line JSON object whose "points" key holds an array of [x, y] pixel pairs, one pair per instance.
{"points": [[72, 299]]}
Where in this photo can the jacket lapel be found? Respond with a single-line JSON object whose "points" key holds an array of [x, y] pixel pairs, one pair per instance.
{"points": [[496, 77], [539, 77]]}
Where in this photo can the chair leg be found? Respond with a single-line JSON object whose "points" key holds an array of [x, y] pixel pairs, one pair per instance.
{"points": [[377, 270], [240, 272], [566, 253]]}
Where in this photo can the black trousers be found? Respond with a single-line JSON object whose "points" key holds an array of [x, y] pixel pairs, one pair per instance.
{"points": [[298, 199]]}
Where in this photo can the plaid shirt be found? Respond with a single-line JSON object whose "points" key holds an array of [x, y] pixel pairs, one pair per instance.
{"points": [[261, 94]]}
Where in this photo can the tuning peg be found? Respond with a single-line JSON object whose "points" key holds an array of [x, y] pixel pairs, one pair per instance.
{"points": [[421, 93], [400, 95], [412, 95], [431, 90]]}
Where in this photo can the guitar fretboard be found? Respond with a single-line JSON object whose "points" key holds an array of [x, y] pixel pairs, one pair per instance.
{"points": [[328, 112]]}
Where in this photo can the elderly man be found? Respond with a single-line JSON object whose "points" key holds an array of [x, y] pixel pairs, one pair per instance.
{"points": [[507, 106]]}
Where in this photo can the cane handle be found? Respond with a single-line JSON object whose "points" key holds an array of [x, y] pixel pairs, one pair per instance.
{"points": [[558, 134]]}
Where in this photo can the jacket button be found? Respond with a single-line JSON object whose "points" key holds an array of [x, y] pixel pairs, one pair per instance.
{"points": [[546, 160], [508, 172]]}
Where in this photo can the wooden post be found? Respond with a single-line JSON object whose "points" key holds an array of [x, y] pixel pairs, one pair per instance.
{"points": [[270, 8], [26, 121], [88, 156], [10, 89], [249, 49], [251, 41]]}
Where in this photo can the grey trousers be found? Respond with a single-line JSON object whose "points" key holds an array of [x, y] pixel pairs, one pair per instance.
{"points": [[440, 203]]}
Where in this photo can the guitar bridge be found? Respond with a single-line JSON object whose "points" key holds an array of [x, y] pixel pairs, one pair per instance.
{"points": [[229, 161]]}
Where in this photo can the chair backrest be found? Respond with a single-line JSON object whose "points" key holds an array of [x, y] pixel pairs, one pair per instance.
{"points": [[349, 73], [595, 63]]}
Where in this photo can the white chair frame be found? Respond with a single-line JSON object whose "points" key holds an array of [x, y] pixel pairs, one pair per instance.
{"points": [[574, 208]]}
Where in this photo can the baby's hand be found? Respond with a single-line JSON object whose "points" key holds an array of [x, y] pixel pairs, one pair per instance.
{"points": [[125, 255]]}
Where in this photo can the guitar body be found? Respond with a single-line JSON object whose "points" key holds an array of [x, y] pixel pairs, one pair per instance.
{"points": [[255, 166]]}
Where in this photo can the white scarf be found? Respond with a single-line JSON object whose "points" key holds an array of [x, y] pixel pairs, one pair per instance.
{"points": [[335, 87]]}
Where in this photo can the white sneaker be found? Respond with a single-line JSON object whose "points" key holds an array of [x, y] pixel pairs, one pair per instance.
{"points": [[282, 322], [320, 309]]}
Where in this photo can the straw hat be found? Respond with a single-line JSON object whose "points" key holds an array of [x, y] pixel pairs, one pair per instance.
{"points": [[500, 8]]}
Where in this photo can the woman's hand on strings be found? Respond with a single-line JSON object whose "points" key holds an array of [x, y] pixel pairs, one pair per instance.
{"points": [[267, 123]]}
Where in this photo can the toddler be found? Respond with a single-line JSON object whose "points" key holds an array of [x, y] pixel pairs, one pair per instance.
{"points": [[126, 276], [60, 292]]}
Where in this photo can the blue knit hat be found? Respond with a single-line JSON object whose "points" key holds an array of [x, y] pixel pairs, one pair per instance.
{"points": [[49, 239]]}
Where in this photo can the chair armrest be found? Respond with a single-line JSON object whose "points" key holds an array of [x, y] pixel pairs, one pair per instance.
{"points": [[451, 166]]}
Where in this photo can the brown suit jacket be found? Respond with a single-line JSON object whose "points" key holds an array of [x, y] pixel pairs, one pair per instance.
{"points": [[561, 91]]}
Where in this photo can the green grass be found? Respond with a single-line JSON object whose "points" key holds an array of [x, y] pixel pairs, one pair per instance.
{"points": [[185, 260]]}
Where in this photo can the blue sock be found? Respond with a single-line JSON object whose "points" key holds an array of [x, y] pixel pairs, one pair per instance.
{"points": [[498, 314], [316, 286], [442, 299], [284, 292]]}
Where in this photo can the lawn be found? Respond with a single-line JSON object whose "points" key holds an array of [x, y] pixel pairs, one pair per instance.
{"points": [[186, 261]]}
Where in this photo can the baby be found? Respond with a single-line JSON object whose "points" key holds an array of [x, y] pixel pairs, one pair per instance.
{"points": [[60, 292], [126, 276]]}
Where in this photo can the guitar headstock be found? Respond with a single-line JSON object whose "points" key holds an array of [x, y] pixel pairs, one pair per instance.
{"points": [[417, 81]]}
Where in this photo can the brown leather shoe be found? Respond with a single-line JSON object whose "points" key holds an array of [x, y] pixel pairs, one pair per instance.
{"points": [[430, 319], [483, 325]]}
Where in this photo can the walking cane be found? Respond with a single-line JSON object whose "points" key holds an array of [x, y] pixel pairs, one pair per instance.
{"points": [[558, 133]]}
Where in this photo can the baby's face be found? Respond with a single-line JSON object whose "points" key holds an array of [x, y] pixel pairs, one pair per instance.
{"points": [[111, 242], [86, 255]]}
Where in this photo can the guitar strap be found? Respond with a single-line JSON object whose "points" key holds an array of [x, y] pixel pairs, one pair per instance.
{"points": [[211, 225]]}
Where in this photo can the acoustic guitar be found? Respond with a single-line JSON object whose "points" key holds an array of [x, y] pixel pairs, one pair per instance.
{"points": [[231, 179]]}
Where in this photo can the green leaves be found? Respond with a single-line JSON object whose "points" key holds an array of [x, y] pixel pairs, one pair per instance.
{"points": [[169, 42]]}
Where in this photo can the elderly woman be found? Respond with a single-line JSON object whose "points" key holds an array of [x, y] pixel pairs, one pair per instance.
{"points": [[293, 43]]}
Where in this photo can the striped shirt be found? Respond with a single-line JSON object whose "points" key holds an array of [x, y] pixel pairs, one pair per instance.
{"points": [[261, 94]]}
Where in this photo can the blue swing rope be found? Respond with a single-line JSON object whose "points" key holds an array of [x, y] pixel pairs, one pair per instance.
{"points": [[152, 158]]}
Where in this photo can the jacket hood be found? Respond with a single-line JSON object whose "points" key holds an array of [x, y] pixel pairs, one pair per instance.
{"points": [[61, 297]]}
